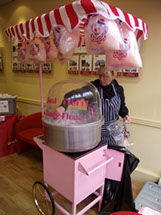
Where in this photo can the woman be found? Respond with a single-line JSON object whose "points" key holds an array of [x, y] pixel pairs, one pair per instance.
{"points": [[112, 99], [115, 197]]}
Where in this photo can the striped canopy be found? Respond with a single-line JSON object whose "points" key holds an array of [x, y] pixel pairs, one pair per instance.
{"points": [[71, 16]]}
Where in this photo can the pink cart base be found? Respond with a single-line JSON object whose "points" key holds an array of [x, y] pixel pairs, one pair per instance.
{"points": [[98, 200], [75, 179]]}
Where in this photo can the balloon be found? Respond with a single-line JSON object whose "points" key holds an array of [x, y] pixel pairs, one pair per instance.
{"points": [[51, 50], [22, 52], [35, 50], [64, 58], [128, 56], [65, 41], [101, 34]]}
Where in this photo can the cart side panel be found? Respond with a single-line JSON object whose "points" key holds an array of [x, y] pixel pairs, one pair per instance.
{"points": [[58, 172], [115, 167], [85, 183]]}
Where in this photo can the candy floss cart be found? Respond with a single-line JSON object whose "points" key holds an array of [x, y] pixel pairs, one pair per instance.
{"points": [[75, 162], [81, 170]]}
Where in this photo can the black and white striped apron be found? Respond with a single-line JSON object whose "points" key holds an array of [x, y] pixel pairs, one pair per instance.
{"points": [[110, 112]]}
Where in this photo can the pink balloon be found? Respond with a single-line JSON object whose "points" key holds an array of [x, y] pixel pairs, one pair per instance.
{"points": [[22, 52], [51, 50], [65, 41], [64, 58], [35, 51], [128, 56], [101, 34]]}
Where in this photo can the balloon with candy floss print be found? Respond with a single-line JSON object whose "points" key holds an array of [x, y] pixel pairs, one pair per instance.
{"points": [[125, 132], [65, 41], [101, 34], [128, 56]]}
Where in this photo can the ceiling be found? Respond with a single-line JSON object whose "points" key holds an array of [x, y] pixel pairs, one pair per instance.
{"points": [[4, 2]]}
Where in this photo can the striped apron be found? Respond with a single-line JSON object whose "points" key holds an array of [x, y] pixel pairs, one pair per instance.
{"points": [[110, 112]]}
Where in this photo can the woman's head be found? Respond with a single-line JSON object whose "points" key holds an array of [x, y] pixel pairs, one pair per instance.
{"points": [[105, 76]]}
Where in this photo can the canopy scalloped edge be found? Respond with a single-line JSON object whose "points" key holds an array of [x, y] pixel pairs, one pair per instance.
{"points": [[70, 16]]}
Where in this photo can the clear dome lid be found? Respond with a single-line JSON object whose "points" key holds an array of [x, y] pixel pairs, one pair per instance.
{"points": [[80, 101]]}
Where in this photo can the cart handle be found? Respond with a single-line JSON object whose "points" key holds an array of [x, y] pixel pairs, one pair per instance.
{"points": [[39, 141], [82, 169]]}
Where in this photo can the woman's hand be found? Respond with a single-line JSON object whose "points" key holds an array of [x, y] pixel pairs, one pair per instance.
{"points": [[127, 119], [59, 111]]}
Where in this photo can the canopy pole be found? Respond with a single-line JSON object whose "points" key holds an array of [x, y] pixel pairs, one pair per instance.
{"points": [[41, 89]]}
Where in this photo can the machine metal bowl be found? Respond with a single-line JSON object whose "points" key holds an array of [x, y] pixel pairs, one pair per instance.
{"points": [[73, 138]]}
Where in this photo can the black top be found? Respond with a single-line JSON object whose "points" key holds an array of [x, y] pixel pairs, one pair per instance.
{"points": [[108, 93]]}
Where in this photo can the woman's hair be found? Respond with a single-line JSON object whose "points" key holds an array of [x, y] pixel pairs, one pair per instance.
{"points": [[103, 71]]}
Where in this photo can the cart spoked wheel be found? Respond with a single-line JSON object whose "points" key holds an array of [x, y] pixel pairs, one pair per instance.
{"points": [[43, 199]]}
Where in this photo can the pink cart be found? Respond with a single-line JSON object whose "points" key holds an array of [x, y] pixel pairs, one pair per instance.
{"points": [[75, 176]]}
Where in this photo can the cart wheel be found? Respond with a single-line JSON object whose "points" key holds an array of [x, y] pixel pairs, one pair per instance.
{"points": [[43, 199]]}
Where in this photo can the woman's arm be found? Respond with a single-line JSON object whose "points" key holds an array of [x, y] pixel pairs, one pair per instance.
{"points": [[123, 109], [76, 95]]}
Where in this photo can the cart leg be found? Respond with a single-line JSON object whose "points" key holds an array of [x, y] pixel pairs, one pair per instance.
{"points": [[74, 209], [101, 194]]}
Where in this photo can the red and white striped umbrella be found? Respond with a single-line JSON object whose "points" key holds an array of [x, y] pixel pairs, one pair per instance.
{"points": [[71, 16]]}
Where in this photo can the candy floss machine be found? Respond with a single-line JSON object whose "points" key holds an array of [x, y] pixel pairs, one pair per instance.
{"points": [[78, 126]]}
